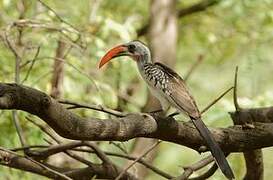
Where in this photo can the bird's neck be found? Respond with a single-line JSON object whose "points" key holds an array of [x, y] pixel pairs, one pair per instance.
{"points": [[143, 60]]}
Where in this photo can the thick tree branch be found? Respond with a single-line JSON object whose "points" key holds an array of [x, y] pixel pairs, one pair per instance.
{"points": [[132, 158], [254, 165], [201, 6], [246, 118], [11, 159], [69, 125]]}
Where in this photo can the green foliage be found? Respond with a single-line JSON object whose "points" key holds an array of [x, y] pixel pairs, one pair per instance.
{"points": [[229, 34]]}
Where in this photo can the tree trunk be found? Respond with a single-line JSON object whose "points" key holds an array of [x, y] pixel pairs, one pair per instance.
{"points": [[162, 37], [58, 71]]}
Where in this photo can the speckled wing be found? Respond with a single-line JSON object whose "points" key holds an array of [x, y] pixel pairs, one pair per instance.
{"points": [[179, 94]]}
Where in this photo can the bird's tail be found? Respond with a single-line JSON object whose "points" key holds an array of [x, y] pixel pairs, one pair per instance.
{"points": [[214, 148]]}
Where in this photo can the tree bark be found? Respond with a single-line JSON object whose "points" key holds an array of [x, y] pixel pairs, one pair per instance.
{"points": [[58, 71], [71, 126], [253, 158], [162, 30]]}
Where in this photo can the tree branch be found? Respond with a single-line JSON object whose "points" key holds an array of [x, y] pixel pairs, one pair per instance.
{"points": [[246, 117], [71, 126], [54, 149], [201, 6], [254, 165], [194, 167], [10, 159], [132, 158]]}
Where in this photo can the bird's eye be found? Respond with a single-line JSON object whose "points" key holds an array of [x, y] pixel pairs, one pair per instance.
{"points": [[131, 48]]}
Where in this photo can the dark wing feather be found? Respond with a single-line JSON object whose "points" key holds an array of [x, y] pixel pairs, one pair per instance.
{"points": [[179, 92], [185, 103]]}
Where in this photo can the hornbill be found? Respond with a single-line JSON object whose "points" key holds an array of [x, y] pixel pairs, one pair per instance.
{"points": [[170, 89]]}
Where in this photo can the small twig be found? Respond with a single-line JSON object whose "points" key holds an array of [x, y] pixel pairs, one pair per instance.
{"points": [[48, 141], [17, 56], [8, 43], [40, 78], [22, 23], [194, 167], [216, 100], [75, 156], [65, 22], [93, 107], [78, 70], [49, 169], [28, 147], [42, 128], [71, 65], [235, 100], [59, 17], [207, 174], [119, 147], [194, 66], [36, 162], [79, 158], [18, 127], [55, 149], [135, 161], [56, 139], [32, 64], [99, 153], [141, 161]]}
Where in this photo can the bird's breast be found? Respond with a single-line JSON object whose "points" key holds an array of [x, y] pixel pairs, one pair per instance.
{"points": [[156, 79]]}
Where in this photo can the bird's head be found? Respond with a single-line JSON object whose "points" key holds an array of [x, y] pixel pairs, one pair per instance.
{"points": [[137, 50]]}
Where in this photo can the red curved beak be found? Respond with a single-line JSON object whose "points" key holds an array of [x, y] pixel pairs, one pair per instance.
{"points": [[117, 51]]}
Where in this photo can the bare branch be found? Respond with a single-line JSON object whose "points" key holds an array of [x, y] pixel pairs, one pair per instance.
{"points": [[49, 169], [254, 165], [235, 99], [69, 125], [18, 60], [32, 64], [44, 129], [201, 6], [195, 167], [99, 153], [135, 161], [28, 147], [11, 159], [216, 100], [93, 107], [55, 149], [193, 67], [207, 174], [141, 161], [59, 17], [34, 24]]}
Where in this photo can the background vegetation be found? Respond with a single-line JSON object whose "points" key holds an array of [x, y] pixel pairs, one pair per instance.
{"points": [[228, 34]]}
